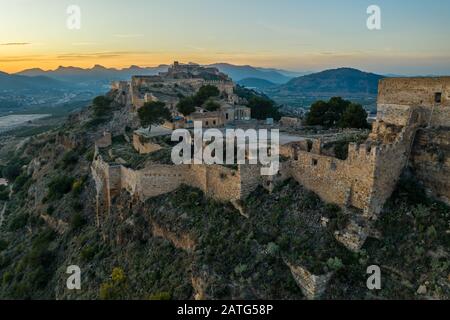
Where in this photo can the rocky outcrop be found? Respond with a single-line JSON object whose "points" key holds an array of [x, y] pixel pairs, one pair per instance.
{"points": [[183, 241]]}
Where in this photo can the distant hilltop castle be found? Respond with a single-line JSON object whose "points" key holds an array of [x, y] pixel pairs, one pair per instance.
{"points": [[183, 80]]}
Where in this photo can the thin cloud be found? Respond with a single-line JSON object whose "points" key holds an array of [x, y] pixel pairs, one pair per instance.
{"points": [[84, 43], [128, 35], [15, 44]]}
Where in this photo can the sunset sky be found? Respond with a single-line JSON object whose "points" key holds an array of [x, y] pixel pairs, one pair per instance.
{"points": [[291, 34]]}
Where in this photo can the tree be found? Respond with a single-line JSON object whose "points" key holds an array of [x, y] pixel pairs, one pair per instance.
{"points": [[59, 186], [263, 108], [154, 113], [101, 105], [354, 117], [337, 112], [205, 93], [212, 105], [316, 114], [186, 106], [12, 171], [328, 113]]}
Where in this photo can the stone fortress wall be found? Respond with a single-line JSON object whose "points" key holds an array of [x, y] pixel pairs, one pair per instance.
{"points": [[216, 181], [365, 180], [369, 175], [430, 161], [431, 96]]}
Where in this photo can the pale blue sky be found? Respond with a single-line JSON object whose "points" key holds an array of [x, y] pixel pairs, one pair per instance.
{"points": [[293, 34]]}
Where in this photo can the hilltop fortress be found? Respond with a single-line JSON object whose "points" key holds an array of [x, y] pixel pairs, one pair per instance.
{"points": [[182, 81], [411, 130]]}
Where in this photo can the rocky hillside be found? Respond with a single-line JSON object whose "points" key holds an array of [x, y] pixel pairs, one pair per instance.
{"points": [[185, 246]]}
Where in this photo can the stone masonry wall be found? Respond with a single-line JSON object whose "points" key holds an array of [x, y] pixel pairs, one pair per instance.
{"points": [[345, 183], [391, 159], [144, 147], [397, 95], [215, 181], [312, 286], [431, 161]]}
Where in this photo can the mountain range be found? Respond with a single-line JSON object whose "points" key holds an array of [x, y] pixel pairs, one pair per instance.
{"points": [[38, 82], [102, 74], [282, 86]]}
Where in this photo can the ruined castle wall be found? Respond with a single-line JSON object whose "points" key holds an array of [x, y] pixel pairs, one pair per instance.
{"points": [[430, 160], [312, 286], [250, 179], [397, 95], [391, 159], [158, 179], [104, 141], [195, 176], [107, 183], [144, 147], [114, 180], [129, 180], [337, 181], [222, 183]]}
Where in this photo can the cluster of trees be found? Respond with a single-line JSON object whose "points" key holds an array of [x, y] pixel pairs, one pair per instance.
{"points": [[263, 108], [202, 98], [337, 112], [154, 113]]}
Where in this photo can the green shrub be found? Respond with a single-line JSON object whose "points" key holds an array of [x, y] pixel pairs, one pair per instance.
{"points": [[20, 182], [89, 156], [77, 222], [50, 210], [12, 171], [19, 221], [3, 245], [335, 264], [70, 158], [77, 186], [332, 209], [4, 195], [273, 249], [160, 296], [341, 150], [108, 291], [7, 277], [118, 275], [113, 289], [59, 186], [101, 106], [77, 206], [88, 253]]}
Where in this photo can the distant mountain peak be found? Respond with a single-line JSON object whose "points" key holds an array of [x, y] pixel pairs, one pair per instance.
{"points": [[98, 67], [345, 82]]}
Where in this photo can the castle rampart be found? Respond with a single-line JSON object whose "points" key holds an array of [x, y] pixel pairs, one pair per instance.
{"points": [[215, 181]]}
